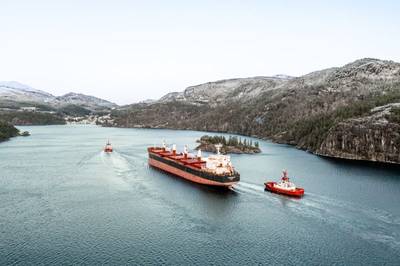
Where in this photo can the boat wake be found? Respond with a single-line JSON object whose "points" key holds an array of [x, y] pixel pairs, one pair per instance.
{"points": [[121, 168], [259, 191], [369, 224], [133, 155], [249, 188], [87, 158]]}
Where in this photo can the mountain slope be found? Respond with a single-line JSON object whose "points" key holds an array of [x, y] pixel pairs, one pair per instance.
{"points": [[23, 105], [217, 92], [15, 91], [12, 92], [88, 101], [330, 112]]}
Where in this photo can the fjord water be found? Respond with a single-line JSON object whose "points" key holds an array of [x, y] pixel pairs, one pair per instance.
{"points": [[64, 201]]}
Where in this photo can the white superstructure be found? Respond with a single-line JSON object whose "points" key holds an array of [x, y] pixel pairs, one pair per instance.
{"points": [[285, 183], [219, 163]]}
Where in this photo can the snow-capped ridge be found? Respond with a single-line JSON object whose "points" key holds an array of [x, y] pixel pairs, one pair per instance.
{"points": [[16, 86], [218, 91], [83, 99], [18, 92]]}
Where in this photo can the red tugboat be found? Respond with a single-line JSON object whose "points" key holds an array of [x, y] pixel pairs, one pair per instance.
{"points": [[284, 187], [215, 170], [108, 148]]}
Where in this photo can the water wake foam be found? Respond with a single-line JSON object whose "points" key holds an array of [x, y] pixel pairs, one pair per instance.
{"points": [[121, 170], [347, 216], [86, 158]]}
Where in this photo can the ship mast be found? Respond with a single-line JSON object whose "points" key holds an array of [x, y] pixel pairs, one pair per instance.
{"points": [[174, 149], [185, 151], [218, 147], [199, 154]]}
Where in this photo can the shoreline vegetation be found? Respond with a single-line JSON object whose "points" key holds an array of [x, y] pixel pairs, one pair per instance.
{"points": [[7, 131], [27, 118], [232, 144]]}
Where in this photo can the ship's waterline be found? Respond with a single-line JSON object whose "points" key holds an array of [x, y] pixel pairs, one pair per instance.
{"points": [[65, 201]]}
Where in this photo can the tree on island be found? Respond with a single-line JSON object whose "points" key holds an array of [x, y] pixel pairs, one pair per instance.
{"points": [[232, 144], [7, 131]]}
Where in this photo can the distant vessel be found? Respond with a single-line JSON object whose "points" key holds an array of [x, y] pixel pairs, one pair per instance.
{"points": [[284, 187], [108, 147], [215, 170]]}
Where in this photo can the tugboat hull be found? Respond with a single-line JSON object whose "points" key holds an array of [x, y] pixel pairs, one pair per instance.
{"points": [[108, 148], [270, 186]]}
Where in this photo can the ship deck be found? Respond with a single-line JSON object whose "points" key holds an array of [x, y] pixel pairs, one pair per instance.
{"points": [[189, 161]]}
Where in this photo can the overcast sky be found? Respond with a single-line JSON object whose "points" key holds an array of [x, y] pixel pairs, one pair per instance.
{"points": [[127, 51]]}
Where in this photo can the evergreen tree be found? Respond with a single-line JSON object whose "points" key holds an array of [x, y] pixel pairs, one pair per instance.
{"points": [[235, 141]]}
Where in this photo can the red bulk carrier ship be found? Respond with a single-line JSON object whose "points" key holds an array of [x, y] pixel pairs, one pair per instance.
{"points": [[215, 170]]}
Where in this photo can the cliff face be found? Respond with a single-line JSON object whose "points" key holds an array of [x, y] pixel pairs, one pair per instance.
{"points": [[339, 112], [372, 138]]}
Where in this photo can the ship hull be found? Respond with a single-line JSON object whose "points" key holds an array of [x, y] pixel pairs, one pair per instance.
{"points": [[191, 175]]}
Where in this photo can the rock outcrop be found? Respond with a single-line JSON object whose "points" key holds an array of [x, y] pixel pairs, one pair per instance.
{"points": [[370, 138]]}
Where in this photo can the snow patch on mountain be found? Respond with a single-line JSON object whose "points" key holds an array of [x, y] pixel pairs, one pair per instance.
{"points": [[18, 92], [85, 100], [228, 89]]}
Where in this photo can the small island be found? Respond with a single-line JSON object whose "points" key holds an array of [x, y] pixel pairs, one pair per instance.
{"points": [[231, 145]]}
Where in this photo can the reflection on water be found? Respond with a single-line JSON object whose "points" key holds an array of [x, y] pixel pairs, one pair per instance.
{"points": [[65, 201]]}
